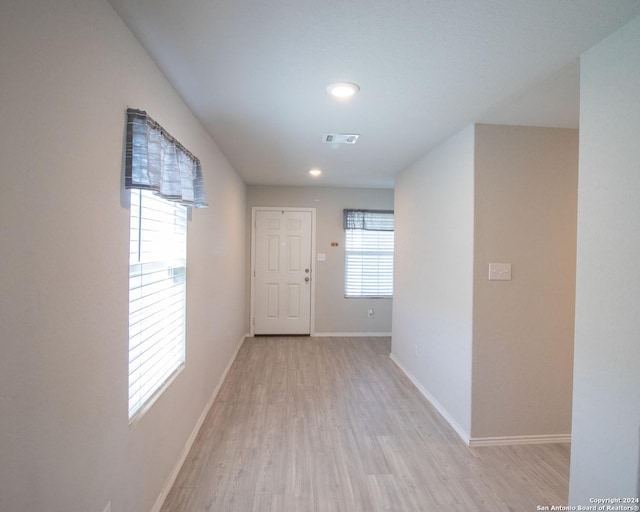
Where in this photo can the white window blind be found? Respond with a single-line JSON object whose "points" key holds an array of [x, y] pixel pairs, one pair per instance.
{"points": [[368, 254], [157, 282]]}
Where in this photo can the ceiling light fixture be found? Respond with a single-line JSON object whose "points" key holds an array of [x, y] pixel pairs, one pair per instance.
{"points": [[343, 89], [315, 172]]}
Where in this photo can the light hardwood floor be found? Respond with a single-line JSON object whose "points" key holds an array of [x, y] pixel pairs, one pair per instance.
{"points": [[331, 424]]}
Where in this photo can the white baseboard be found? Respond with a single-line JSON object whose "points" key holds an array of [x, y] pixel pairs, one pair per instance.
{"points": [[474, 442], [187, 447], [438, 407], [512, 440], [350, 334]]}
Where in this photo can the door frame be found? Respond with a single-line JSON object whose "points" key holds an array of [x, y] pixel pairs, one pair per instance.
{"points": [[312, 312]]}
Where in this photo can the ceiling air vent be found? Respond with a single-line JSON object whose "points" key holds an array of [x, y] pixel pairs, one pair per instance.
{"points": [[341, 138]]}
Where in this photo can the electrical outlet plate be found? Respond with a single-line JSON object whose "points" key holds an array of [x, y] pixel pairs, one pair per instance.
{"points": [[499, 271]]}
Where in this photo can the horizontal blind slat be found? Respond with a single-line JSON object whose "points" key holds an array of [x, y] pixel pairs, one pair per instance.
{"points": [[147, 372]]}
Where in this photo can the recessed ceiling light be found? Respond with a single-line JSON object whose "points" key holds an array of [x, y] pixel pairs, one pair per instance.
{"points": [[315, 172], [343, 89]]}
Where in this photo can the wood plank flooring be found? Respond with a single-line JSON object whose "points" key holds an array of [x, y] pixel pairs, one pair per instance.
{"points": [[332, 425]]}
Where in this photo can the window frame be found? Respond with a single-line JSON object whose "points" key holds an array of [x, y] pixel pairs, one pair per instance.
{"points": [[155, 223], [369, 243]]}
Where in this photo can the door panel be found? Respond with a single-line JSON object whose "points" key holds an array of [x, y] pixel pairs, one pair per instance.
{"points": [[295, 253], [282, 272], [273, 254], [272, 293], [294, 301]]}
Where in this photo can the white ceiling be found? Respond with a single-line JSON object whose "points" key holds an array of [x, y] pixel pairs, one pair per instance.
{"points": [[255, 73]]}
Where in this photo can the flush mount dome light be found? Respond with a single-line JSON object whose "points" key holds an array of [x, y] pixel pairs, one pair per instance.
{"points": [[315, 172], [343, 89]]}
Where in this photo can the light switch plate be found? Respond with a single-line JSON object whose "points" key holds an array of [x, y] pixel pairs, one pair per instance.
{"points": [[499, 271]]}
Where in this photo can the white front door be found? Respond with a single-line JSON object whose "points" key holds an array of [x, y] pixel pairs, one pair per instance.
{"points": [[282, 271]]}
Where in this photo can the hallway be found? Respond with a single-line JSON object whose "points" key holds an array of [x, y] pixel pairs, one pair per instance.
{"points": [[331, 424]]}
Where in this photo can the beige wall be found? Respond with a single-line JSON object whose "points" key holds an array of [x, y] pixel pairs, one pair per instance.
{"points": [[432, 314], [495, 357], [526, 182], [333, 313], [69, 70], [605, 454]]}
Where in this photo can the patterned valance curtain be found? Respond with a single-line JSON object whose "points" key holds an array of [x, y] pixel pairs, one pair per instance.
{"points": [[156, 161], [369, 220]]}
